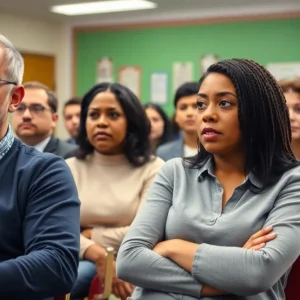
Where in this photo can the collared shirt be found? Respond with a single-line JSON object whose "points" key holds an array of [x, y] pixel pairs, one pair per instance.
{"points": [[6, 142], [42, 145], [185, 203]]}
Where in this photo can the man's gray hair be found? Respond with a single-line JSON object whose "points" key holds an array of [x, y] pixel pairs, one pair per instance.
{"points": [[14, 61]]}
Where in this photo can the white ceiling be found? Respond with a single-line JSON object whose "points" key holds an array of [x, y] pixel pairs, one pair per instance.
{"points": [[167, 9]]}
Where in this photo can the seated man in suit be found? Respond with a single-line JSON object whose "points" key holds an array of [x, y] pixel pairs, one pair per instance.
{"points": [[39, 205], [185, 112], [35, 120], [72, 109]]}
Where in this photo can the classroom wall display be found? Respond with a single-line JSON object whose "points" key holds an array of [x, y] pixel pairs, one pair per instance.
{"points": [[157, 48], [130, 76], [104, 70], [284, 70]]}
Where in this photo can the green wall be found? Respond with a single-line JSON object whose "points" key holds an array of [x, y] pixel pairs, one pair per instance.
{"points": [[155, 49]]}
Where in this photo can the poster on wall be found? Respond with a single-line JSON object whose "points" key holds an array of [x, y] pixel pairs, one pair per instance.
{"points": [[206, 61], [131, 77], [284, 70], [182, 73], [104, 70], [159, 88]]}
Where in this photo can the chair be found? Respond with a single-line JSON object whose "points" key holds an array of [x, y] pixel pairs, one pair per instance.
{"points": [[65, 297], [292, 289], [98, 290]]}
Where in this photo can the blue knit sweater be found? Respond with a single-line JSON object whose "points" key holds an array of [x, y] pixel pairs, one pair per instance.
{"points": [[39, 225]]}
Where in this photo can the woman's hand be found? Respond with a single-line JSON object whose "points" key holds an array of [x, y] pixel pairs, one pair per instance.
{"points": [[163, 247], [87, 233], [120, 288], [259, 239]]}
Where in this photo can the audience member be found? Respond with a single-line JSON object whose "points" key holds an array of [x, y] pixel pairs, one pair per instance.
{"points": [[113, 171], [194, 234], [185, 106], [35, 119], [71, 114], [161, 131], [39, 207]]}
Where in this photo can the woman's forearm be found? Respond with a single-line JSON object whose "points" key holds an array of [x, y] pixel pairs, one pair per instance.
{"points": [[94, 253]]}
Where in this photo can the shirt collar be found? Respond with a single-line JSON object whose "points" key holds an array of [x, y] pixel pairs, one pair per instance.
{"points": [[208, 168], [6, 142], [42, 145]]}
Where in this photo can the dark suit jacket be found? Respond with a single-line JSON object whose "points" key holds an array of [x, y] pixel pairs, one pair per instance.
{"points": [[60, 148], [171, 150]]}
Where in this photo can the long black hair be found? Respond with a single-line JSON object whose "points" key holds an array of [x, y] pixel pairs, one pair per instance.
{"points": [[136, 145], [167, 131], [263, 117]]}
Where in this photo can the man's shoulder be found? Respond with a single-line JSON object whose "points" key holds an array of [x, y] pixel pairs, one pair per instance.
{"points": [[71, 141], [170, 150], [26, 159], [28, 154], [64, 149], [66, 145], [169, 145]]}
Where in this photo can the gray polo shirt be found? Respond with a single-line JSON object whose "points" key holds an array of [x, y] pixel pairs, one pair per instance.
{"points": [[187, 204]]}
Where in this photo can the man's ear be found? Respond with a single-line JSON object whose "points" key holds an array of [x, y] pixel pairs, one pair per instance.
{"points": [[55, 117], [16, 98]]}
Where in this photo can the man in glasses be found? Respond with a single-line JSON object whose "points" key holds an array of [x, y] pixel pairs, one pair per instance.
{"points": [[35, 120], [39, 205]]}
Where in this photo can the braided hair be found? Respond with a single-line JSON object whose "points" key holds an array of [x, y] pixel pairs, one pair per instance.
{"points": [[263, 117]]}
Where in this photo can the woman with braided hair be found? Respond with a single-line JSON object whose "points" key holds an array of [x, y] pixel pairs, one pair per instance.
{"points": [[227, 222]]}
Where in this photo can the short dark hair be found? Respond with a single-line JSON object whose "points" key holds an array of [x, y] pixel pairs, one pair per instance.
{"points": [[52, 99], [264, 121], [73, 101], [137, 147], [186, 89], [167, 132], [290, 85]]}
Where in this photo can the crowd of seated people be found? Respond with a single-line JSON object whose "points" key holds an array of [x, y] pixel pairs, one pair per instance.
{"points": [[200, 205]]}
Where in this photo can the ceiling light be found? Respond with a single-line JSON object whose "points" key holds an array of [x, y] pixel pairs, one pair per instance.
{"points": [[101, 7]]}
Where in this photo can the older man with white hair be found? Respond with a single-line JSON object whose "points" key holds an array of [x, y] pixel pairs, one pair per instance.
{"points": [[39, 206]]}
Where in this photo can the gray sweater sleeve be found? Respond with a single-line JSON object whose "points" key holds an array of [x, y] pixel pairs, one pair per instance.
{"points": [[136, 262], [247, 272]]}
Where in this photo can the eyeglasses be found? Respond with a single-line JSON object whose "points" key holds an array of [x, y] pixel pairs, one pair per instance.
{"points": [[36, 109], [8, 81]]}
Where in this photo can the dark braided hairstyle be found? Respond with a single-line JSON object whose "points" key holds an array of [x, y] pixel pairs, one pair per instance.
{"points": [[137, 147], [263, 117]]}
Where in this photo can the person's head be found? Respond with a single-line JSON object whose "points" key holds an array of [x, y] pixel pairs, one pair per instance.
{"points": [[113, 121], [36, 117], [291, 91], [160, 124], [71, 114], [241, 108], [11, 76], [185, 106]]}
